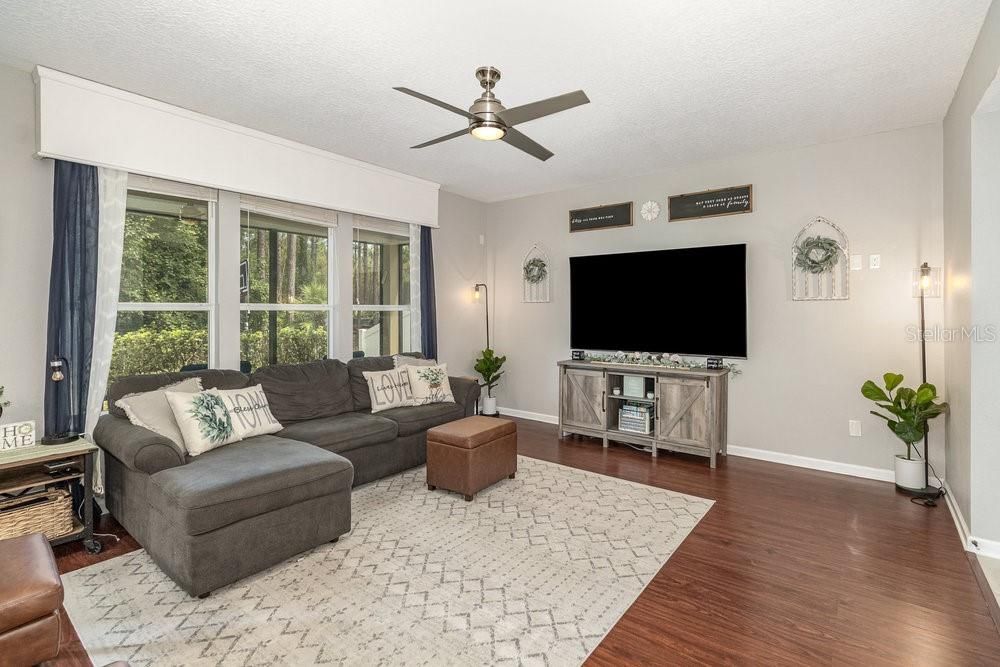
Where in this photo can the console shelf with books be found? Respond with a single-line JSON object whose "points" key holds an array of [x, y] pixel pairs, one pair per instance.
{"points": [[673, 409]]}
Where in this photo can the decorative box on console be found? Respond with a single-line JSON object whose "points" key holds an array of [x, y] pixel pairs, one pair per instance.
{"points": [[636, 418]]}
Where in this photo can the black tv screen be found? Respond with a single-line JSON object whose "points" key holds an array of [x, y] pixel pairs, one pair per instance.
{"points": [[689, 301]]}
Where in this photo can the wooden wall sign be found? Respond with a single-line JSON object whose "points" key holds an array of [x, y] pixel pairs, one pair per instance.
{"points": [[601, 217], [711, 203]]}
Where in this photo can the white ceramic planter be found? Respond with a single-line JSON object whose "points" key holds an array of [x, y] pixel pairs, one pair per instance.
{"points": [[909, 472], [489, 405]]}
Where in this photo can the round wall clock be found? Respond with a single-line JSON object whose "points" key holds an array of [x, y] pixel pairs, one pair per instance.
{"points": [[650, 211]]}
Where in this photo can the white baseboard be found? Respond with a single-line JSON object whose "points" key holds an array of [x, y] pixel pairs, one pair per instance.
{"points": [[956, 514], [533, 416], [981, 547], [880, 474], [866, 472], [977, 545]]}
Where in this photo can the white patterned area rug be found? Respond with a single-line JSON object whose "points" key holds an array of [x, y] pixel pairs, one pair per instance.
{"points": [[535, 570]]}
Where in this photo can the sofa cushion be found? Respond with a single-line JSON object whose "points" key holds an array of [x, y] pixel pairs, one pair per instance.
{"points": [[246, 479], [417, 418], [358, 367], [297, 392], [137, 384], [343, 433]]}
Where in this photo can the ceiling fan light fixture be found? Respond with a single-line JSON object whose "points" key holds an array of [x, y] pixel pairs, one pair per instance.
{"points": [[488, 131]]}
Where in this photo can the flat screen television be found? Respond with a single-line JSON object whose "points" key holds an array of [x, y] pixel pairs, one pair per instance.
{"points": [[690, 301]]}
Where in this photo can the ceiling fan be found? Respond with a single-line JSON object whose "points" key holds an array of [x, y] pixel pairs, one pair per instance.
{"points": [[490, 121]]}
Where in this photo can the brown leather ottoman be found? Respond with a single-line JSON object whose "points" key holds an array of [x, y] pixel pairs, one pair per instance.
{"points": [[470, 454], [31, 595]]}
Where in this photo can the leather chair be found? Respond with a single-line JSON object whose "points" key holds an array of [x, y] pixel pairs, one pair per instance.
{"points": [[31, 596]]}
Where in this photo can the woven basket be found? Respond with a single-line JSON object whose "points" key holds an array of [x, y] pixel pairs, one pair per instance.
{"points": [[49, 512]]}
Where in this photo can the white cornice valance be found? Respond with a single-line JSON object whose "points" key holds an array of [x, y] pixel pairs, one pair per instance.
{"points": [[91, 123]]}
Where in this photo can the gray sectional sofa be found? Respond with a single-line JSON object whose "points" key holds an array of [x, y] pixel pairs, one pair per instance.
{"points": [[213, 519]]}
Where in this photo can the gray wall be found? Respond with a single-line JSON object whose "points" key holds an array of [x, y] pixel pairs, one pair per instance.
{"points": [[960, 273], [459, 263], [25, 249], [985, 357], [807, 360]]}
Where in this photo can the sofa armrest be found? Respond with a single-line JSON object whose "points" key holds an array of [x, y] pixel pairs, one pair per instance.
{"points": [[466, 391], [136, 447]]}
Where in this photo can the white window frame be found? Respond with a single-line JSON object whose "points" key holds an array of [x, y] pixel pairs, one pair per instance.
{"points": [[319, 218], [389, 227], [154, 186]]}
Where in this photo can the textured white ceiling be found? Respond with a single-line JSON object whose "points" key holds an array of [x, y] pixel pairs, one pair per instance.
{"points": [[669, 81]]}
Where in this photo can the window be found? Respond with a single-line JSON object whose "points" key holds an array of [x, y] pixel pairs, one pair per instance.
{"points": [[285, 300], [381, 289], [166, 305]]}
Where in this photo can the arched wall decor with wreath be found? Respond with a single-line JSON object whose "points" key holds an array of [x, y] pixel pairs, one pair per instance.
{"points": [[820, 262], [536, 276]]}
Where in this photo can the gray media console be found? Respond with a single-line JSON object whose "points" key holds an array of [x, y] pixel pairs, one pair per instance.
{"points": [[684, 409]]}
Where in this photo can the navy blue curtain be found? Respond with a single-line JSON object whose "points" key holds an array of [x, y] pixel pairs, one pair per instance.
{"points": [[428, 304], [72, 295]]}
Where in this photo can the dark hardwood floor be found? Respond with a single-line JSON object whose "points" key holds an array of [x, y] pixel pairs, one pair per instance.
{"points": [[789, 567]]}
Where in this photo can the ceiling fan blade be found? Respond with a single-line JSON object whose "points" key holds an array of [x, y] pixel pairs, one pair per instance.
{"points": [[439, 103], [453, 135], [526, 112], [529, 146]]}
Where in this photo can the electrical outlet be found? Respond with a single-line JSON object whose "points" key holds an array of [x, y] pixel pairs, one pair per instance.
{"points": [[482, 240], [857, 262], [854, 427], [874, 261]]}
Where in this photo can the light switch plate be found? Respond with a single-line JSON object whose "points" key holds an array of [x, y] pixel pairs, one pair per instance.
{"points": [[874, 261], [854, 427], [857, 262]]}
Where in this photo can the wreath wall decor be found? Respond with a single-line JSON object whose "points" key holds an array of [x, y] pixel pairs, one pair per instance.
{"points": [[535, 270], [817, 254], [536, 276], [820, 266]]}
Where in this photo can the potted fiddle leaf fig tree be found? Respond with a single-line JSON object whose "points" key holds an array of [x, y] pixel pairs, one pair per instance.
{"points": [[488, 366], [909, 411]]}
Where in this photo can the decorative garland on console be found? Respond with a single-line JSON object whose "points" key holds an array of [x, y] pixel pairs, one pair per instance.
{"points": [[657, 360], [535, 270], [817, 254]]}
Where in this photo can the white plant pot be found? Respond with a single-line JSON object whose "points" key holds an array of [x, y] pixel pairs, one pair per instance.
{"points": [[489, 405], [909, 472]]}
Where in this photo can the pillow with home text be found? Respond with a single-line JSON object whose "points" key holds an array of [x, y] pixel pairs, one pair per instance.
{"points": [[389, 389], [248, 411]]}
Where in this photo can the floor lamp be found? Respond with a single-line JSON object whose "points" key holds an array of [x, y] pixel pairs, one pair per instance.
{"points": [[926, 285], [487, 292]]}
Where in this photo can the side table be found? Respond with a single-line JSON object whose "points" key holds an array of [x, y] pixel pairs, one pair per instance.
{"points": [[24, 468]]}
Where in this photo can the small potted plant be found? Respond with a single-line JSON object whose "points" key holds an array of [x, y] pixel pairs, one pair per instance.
{"points": [[909, 411], [488, 366]]}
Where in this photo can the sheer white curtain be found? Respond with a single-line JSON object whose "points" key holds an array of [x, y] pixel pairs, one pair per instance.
{"points": [[416, 339], [112, 192]]}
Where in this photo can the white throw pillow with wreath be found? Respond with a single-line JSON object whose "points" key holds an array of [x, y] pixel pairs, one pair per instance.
{"points": [[430, 384], [389, 389], [203, 420]]}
